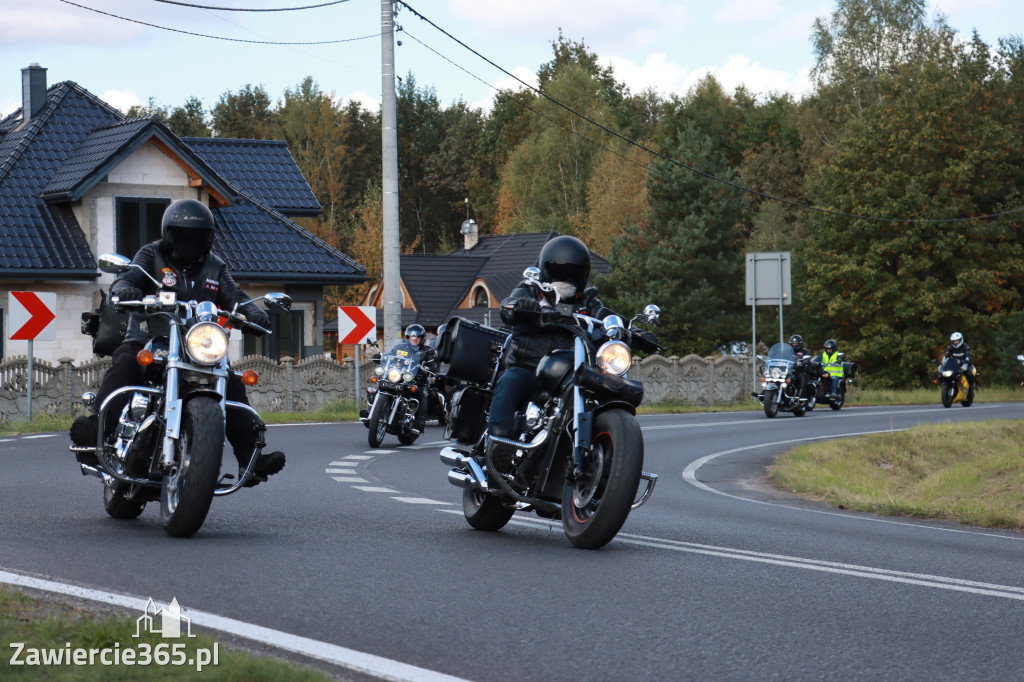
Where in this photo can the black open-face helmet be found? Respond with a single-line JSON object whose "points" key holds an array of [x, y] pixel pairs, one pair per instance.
{"points": [[187, 231], [831, 345], [565, 259], [416, 330], [796, 341]]}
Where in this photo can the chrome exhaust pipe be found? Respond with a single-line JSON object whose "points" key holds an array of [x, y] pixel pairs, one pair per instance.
{"points": [[460, 479], [466, 472], [454, 458]]}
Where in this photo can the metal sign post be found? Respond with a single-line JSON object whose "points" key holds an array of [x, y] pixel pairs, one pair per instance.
{"points": [[768, 283]]}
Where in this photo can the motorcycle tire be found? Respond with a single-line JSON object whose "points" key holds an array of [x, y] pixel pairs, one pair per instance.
{"points": [[595, 506], [120, 507], [771, 408], [799, 411], [485, 512], [812, 403], [187, 489], [948, 393], [969, 400], [378, 421], [837, 403]]}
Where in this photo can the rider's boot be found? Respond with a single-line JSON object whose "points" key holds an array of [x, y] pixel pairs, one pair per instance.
{"points": [[268, 464], [84, 433]]}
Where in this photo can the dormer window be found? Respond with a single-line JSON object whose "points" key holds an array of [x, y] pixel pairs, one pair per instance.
{"points": [[480, 298]]}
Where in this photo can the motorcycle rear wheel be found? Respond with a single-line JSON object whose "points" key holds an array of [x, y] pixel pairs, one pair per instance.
{"points": [[771, 408], [595, 506], [969, 400], [485, 512], [120, 507], [948, 393], [187, 489], [378, 420]]}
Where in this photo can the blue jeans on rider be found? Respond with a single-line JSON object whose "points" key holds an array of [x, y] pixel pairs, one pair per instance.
{"points": [[835, 385], [511, 391]]}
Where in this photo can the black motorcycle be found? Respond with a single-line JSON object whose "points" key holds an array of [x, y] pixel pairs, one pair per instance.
{"points": [[394, 392], [823, 386], [781, 382], [952, 380], [579, 451], [169, 438]]}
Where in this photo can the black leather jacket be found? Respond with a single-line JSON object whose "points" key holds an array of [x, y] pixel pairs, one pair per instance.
{"points": [[962, 354], [206, 280], [531, 342]]}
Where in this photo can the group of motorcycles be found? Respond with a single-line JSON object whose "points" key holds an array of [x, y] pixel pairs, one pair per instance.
{"points": [[797, 385]]}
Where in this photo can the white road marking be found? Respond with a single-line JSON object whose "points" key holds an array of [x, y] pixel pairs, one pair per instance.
{"points": [[360, 457], [340, 471], [690, 476], [373, 489], [920, 579], [358, 661], [7, 440], [45, 435], [381, 452], [349, 479], [418, 500], [425, 446]]}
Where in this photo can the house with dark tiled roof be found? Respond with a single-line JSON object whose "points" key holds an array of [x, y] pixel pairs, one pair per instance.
{"points": [[78, 178], [469, 282]]}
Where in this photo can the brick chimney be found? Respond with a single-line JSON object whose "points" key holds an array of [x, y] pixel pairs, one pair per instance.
{"points": [[33, 91], [470, 233]]}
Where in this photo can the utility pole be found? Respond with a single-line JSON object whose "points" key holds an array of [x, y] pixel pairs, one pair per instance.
{"points": [[392, 297]]}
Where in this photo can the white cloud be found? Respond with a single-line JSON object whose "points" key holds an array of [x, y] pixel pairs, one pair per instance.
{"points": [[747, 11], [123, 100], [7, 106], [368, 102], [27, 26]]}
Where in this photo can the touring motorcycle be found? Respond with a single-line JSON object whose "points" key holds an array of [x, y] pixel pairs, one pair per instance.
{"points": [[394, 392], [824, 384], [169, 438], [578, 455], [780, 383], [953, 383]]}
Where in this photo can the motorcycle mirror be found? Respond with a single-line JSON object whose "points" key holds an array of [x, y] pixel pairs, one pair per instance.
{"points": [[1020, 358], [114, 263], [760, 357], [532, 273], [279, 303], [651, 313]]}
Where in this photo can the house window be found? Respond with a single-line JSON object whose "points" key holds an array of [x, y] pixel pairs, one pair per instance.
{"points": [[480, 298], [138, 223], [285, 341]]}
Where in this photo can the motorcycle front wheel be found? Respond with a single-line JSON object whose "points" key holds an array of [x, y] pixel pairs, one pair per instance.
{"points": [[948, 393], [378, 420], [187, 489], [771, 406], [596, 505], [485, 512]]}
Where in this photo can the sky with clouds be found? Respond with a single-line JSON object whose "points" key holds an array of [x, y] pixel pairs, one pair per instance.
{"points": [[667, 45]]}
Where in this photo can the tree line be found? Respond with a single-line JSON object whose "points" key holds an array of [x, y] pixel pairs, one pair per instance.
{"points": [[874, 181]]}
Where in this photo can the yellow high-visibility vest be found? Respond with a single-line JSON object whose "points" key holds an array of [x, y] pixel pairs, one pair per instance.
{"points": [[832, 364]]}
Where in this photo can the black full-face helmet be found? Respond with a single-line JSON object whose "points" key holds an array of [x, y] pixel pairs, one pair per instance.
{"points": [[415, 330], [796, 341], [187, 231], [831, 345], [565, 259]]}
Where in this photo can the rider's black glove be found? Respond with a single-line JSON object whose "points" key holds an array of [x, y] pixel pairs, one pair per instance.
{"points": [[527, 307], [128, 293], [258, 317]]}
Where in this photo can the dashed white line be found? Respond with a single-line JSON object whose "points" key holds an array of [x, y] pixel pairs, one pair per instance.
{"points": [[354, 457], [340, 471], [381, 452], [373, 489], [349, 479], [45, 435], [418, 500]]}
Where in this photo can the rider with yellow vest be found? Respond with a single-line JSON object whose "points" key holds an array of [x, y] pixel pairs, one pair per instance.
{"points": [[832, 363]]}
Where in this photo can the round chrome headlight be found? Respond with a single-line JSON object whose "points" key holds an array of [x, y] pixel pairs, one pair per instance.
{"points": [[378, 370], [207, 343], [394, 375], [407, 377], [614, 357], [776, 373]]}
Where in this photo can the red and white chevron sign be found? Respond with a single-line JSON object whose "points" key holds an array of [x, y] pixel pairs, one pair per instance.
{"points": [[32, 316], [357, 323]]}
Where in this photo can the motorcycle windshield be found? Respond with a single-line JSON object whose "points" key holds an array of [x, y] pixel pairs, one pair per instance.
{"points": [[949, 367], [780, 359], [397, 367]]}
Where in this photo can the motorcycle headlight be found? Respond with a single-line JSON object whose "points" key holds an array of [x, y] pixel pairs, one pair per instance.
{"points": [[207, 343], [947, 373], [407, 377], [776, 373], [394, 375], [378, 370], [614, 357]]}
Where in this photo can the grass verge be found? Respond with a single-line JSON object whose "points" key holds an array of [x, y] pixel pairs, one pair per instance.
{"points": [[969, 472], [62, 628]]}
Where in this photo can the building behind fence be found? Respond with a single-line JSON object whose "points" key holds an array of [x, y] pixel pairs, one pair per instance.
{"points": [[307, 385]]}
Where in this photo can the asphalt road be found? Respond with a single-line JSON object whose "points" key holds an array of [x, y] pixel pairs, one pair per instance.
{"points": [[719, 576]]}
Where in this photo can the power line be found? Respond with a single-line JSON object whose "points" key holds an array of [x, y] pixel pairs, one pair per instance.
{"points": [[709, 176], [247, 9], [203, 35]]}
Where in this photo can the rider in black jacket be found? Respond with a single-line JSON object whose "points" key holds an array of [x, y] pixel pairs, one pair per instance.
{"points": [[959, 349], [182, 259], [564, 263]]}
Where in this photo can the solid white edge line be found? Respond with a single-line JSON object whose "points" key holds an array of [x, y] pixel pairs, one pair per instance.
{"points": [[323, 651], [690, 476]]}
